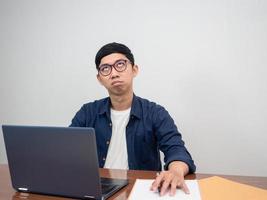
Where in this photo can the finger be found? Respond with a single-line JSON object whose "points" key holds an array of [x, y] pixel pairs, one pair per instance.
{"points": [[157, 182], [151, 187], [165, 184], [173, 187], [185, 188]]}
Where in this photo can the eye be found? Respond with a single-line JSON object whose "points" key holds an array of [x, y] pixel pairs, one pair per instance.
{"points": [[120, 63], [104, 68]]}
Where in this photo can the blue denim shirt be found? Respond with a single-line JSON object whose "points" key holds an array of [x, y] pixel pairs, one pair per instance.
{"points": [[150, 129]]}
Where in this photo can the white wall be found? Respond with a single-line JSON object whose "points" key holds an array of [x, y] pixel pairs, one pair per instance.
{"points": [[205, 61]]}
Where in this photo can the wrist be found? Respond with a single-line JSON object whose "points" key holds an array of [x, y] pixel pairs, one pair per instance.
{"points": [[179, 167]]}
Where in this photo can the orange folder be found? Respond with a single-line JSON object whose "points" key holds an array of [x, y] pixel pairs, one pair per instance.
{"points": [[217, 188]]}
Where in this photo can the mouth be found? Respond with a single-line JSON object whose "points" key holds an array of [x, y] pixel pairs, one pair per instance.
{"points": [[115, 83]]}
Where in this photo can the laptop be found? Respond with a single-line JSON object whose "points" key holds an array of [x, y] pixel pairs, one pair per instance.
{"points": [[59, 161]]}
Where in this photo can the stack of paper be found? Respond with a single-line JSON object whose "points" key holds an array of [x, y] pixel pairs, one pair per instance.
{"points": [[141, 190]]}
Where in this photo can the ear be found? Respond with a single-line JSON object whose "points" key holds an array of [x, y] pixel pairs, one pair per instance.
{"points": [[135, 70], [99, 79]]}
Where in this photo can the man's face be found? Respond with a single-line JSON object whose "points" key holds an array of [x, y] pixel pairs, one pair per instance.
{"points": [[119, 81]]}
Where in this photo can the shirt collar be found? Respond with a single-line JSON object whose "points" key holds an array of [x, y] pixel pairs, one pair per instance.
{"points": [[135, 108], [105, 108]]}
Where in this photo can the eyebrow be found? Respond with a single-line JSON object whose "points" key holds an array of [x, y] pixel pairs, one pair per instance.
{"points": [[104, 64]]}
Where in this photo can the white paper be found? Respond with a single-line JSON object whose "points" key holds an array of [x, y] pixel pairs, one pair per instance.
{"points": [[141, 190]]}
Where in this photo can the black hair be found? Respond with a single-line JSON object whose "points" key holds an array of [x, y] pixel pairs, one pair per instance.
{"points": [[113, 48]]}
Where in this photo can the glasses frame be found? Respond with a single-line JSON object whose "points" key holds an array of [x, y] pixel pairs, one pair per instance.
{"points": [[113, 66]]}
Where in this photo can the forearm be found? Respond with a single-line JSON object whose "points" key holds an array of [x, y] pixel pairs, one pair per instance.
{"points": [[179, 166]]}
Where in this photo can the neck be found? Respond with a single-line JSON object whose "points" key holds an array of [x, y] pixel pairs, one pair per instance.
{"points": [[121, 102]]}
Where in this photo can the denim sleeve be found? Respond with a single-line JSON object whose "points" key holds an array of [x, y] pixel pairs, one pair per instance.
{"points": [[79, 120], [170, 140]]}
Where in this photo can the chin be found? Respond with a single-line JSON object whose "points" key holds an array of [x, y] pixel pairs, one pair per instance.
{"points": [[117, 91]]}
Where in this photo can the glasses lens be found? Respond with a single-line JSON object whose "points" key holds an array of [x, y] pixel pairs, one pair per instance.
{"points": [[120, 65], [105, 70]]}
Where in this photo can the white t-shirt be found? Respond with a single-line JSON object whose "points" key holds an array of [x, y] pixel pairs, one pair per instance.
{"points": [[117, 157]]}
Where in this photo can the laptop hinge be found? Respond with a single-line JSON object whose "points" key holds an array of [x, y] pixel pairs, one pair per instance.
{"points": [[23, 189], [89, 197], [92, 197]]}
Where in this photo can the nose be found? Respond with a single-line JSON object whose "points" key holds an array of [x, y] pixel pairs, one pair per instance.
{"points": [[114, 73]]}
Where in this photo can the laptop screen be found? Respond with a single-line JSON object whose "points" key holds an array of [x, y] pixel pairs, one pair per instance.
{"points": [[53, 160]]}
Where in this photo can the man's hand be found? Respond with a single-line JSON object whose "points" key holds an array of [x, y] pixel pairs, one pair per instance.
{"points": [[172, 179]]}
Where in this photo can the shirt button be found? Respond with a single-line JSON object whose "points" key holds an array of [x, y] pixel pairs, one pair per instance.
{"points": [[108, 142], [110, 124], [104, 159]]}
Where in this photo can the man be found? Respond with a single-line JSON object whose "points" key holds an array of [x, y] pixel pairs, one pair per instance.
{"points": [[131, 130]]}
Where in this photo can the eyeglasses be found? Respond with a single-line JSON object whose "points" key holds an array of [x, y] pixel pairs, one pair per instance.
{"points": [[119, 66]]}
